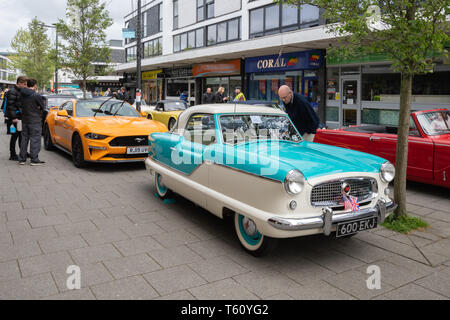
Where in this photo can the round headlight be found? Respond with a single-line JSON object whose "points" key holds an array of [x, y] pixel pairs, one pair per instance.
{"points": [[294, 182], [387, 172]]}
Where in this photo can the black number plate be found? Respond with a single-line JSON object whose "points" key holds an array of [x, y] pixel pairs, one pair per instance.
{"points": [[352, 227]]}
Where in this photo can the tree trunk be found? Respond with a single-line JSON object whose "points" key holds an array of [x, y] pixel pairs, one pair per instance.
{"points": [[401, 162], [84, 88]]}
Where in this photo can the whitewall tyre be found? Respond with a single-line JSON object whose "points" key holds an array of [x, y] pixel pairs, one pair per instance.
{"points": [[161, 189], [250, 238]]}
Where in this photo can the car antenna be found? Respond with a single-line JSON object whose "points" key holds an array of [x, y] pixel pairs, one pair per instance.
{"points": [[99, 108]]}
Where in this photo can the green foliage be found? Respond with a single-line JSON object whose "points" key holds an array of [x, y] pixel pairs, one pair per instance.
{"points": [[404, 224], [84, 37], [33, 48]]}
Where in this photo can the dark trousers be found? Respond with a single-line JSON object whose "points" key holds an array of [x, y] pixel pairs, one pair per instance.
{"points": [[31, 133], [14, 138]]}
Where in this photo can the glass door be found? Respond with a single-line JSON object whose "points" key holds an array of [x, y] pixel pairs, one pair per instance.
{"points": [[191, 92], [350, 101]]}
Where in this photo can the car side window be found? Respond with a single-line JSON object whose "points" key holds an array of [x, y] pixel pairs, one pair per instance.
{"points": [[69, 108], [160, 107], [413, 132], [201, 128]]}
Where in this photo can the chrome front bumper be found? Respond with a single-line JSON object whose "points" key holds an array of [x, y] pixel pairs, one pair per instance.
{"points": [[328, 219]]}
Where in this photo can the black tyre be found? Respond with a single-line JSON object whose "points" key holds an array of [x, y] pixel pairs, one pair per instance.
{"points": [[48, 144], [250, 238], [172, 122], [149, 117], [78, 152], [161, 189]]}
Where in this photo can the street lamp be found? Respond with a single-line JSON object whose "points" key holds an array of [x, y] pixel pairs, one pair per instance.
{"points": [[57, 53]]}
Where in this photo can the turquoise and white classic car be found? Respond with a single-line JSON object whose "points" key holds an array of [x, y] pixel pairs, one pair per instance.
{"points": [[250, 162]]}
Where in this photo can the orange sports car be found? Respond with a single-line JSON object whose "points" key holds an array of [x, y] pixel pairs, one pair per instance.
{"points": [[96, 130]]}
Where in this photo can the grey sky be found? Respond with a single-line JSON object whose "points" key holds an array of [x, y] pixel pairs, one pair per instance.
{"points": [[17, 14]]}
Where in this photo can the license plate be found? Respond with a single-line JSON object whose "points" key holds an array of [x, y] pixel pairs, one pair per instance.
{"points": [[137, 150], [352, 227]]}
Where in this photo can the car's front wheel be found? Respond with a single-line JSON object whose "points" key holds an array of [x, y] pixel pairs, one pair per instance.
{"points": [[78, 152], [250, 238], [149, 117], [161, 189]]}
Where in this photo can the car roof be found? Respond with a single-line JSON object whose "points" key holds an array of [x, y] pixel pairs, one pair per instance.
{"points": [[255, 102], [164, 101]]}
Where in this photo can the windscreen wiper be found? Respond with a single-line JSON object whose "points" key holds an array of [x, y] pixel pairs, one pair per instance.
{"points": [[100, 108], [119, 108]]}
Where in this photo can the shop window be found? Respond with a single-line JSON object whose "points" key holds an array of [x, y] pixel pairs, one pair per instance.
{"points": [[332, 114], [176, 87], [333, 84]]}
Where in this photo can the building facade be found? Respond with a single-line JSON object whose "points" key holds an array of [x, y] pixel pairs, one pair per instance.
{"points": [[191, 45], [8, 75]]}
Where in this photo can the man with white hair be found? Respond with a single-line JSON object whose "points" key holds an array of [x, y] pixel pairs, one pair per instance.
{"points": [[300, 111]]}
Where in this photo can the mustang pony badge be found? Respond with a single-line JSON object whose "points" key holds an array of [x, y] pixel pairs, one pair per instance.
{"points": [[350, 202]]}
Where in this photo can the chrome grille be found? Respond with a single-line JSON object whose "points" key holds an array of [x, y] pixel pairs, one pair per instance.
{"points": [[329, 194]]}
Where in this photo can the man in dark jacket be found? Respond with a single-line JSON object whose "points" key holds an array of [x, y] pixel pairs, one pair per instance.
{"points": [[32, 113], [13, 114], [300, 111], [208, 97]]}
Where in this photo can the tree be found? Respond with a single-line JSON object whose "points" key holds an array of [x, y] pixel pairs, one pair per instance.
{"points": [[84, 38], [410, 32], [33, 53]]}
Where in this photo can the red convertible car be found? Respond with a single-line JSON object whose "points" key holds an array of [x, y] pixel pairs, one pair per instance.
{"points": [[429, 144]]}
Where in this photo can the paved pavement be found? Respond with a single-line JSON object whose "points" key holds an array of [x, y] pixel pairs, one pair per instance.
{"points": [[129, 245]]}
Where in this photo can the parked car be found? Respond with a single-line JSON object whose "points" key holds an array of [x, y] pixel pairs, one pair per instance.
{"points": [[271, 104], [98, 130], [428, 148], [167, 111], [54, 100], [251, 163]]}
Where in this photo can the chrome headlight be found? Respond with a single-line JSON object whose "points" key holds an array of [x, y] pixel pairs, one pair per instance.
{"points": [[387, 172], [94, 136], [294, 182]]}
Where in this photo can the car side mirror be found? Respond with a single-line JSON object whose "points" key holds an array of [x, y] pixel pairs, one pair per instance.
{"points": [[62, 113]]}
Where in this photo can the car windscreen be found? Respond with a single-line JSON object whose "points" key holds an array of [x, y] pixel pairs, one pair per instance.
{"points": [[56, 101], [89, 108], [243, 128], [174, 106], [435, 123]]}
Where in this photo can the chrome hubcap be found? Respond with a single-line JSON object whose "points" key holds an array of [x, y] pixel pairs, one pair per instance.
{"points": [[249, 227]]}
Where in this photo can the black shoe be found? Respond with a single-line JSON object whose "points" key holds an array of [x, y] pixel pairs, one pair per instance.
{"points": [[14, 157], [37, 163]]}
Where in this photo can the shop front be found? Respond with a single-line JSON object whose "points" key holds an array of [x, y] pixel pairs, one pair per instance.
{"points": [[365, 90], [152, 88], [226, 74], [179, 81], [298, 70]]}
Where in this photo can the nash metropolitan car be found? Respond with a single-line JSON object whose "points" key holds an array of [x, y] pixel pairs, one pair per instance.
{"points": [[428, 144], [96, 130], [249, 162]]}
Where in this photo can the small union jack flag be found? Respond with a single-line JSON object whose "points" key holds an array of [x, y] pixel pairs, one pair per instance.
{"points": [[351, 203]]}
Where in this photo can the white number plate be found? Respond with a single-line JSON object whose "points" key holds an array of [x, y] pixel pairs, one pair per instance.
{"points": [[137, 150]]}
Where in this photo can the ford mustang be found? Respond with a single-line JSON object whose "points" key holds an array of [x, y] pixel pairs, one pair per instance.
{"points": [[250, 163], [99, 131], [429, 144]]}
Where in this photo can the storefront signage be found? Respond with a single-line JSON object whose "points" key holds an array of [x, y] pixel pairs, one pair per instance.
{"points": [[284, 62], [150, 75], [178, 72], [217, 69]]}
